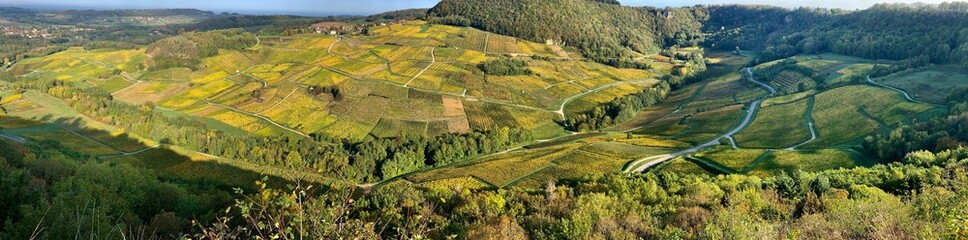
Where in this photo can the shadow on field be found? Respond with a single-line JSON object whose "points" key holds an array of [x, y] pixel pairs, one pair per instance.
{"points": [[73, 137]]}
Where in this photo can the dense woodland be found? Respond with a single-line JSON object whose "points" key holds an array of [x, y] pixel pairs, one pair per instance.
{"points": [[938, 32], [603, 32]]}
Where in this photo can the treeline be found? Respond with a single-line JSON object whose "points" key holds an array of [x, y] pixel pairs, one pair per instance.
{"points": [[188, 49], [367, 161], [947, 131], [921, 197], [622, 109], [405, 14], [884, 31], [604, 33]]}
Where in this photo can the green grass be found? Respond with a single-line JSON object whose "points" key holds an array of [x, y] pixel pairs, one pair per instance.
{"points": [[735, 159], [681, 165], [931, 84], [776, 126], [810, 161]]}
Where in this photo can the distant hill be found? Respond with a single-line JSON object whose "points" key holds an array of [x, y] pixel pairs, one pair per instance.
{"points": [[935, 33], [601, 31]]}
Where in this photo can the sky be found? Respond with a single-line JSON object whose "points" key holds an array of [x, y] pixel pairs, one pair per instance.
{"points": [[366, 7]]}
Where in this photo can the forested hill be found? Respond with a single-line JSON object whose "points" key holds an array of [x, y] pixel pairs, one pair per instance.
{"points": [[935, 33], [604, 32]]}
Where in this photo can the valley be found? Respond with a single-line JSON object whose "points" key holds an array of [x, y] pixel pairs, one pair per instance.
{"points": [[493, 119]]}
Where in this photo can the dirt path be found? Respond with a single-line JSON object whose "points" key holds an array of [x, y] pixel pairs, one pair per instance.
{"points": [[764, 85], [663, 158], [281, 101], [330, 49], [561, 108], [905, 93], [433, 59], [808, 116]]}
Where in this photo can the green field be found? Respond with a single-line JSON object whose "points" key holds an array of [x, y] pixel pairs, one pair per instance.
{"points": [[847, 113], [812, 160], [776, 126], [931, 84]]}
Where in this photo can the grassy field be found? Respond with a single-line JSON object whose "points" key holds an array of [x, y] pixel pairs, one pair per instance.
{"points": [[813, 160], [735, 159], [931, 84]]}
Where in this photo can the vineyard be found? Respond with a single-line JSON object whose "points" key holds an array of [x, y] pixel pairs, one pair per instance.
{"points": [[776, 126], [848, 113]]}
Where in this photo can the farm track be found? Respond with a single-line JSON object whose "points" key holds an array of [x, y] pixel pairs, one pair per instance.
{"points": [[13, 138], [561, 109], [905, 93], [433, 59], [808, 116], [281, 101], [742, 125]]}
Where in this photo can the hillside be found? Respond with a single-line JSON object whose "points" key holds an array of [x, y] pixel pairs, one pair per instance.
{"points": [[602, 32], [489, 119], [884, 31]]}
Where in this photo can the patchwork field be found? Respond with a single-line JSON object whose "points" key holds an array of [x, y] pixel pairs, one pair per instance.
{"points": [[266, 90]]}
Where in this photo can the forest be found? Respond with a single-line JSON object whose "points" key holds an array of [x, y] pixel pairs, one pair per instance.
{"points": [[603, 32]]}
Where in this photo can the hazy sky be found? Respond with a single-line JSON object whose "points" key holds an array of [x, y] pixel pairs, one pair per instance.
{"points": [[325, 7]]}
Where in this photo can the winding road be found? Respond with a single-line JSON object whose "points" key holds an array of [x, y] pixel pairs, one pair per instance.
{"points": [[656, 160], [764, 85], [663, 158], [906, 95], [813, 136]]}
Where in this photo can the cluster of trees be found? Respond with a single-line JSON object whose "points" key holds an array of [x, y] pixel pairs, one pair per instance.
{"points": [[602, 32], [187, 50], [618, 110], [367, 161], [923, 196], [947, 131], [48, 192], [624, 108], [505, 67]]}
